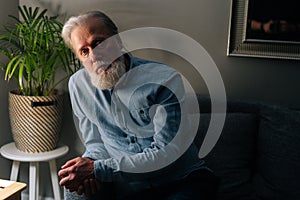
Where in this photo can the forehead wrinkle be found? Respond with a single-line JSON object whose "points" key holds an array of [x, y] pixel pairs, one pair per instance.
{"points": [[81, 36]]}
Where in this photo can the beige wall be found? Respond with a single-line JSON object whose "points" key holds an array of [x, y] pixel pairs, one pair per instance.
{"points": [[206, 21]]}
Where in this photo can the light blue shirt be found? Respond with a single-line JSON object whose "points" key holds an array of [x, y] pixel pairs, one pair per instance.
{"points": [[126, 130]]}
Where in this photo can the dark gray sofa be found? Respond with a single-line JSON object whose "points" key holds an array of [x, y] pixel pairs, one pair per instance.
{"points": [[258, 153]]}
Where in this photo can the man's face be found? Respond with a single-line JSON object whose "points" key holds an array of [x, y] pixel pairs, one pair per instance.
{"points": [[99, 56]]}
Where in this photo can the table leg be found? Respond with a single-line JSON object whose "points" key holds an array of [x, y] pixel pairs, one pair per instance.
{"points": [[14, 170], [54, 179], [33, 181]]}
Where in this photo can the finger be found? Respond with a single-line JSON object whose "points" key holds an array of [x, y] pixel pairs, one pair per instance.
{"points": [[67, 172], [69, 163], [87, 187], [64, 181], [80, 190], [63, 173], [98, 184], [72, 189], [93, 186]]}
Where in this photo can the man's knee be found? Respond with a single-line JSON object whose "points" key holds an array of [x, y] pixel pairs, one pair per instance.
{"points": [[73, 196], [105, 193]]}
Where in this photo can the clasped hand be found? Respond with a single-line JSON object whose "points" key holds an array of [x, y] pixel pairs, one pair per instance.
{"points": [[78, 175]]}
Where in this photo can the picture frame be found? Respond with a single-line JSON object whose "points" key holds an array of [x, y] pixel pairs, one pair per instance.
{"points": [[241, 43]]}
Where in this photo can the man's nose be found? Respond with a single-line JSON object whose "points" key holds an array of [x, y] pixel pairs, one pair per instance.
{"points": [[94, 55]]}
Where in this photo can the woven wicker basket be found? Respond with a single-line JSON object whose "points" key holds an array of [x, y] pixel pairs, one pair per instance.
{"points": [[35, 121]]}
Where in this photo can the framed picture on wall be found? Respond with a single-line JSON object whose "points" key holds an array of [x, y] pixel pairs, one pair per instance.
{"points": [[264, 28]]}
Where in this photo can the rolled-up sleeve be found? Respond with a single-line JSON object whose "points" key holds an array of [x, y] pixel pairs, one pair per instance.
{"points": [[89, 132]]}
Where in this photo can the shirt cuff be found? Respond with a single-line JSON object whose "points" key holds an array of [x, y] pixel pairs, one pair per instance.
{"points": [[104, 170]]}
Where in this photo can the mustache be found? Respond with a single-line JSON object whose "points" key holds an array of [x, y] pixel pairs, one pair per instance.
{"points": [[101, 64]]}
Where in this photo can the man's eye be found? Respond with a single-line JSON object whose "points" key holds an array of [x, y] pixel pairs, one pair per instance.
{"points": [[84, 52]]}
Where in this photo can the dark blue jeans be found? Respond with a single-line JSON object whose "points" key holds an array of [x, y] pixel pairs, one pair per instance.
{"points": [[199, 185]]}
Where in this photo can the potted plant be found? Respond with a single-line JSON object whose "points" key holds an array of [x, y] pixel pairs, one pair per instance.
{"points": [[36, 52]]}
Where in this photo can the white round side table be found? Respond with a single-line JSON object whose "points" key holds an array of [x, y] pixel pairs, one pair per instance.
{"points": [[11, 152]]}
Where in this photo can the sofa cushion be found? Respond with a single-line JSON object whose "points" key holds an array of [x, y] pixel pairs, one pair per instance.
{"points": [[278, 161], [233, 156]]}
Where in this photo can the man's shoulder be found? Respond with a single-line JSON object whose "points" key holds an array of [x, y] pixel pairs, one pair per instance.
{"points": [[79, 79], [81, 73]]}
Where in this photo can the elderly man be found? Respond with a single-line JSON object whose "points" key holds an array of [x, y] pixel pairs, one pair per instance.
{"points": [[129, 114]]}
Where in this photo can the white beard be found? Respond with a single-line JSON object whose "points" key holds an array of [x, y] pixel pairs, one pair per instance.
{"points": [[109, 78]]}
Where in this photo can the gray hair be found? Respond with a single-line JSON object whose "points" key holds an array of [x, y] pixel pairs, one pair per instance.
{"points": [[76, 21]]}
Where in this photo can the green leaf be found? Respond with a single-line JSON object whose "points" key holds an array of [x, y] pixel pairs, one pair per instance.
{"points": [[36, 51], [21, 69], [9, 67]]}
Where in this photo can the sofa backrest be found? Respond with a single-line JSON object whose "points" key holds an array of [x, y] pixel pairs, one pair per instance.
{"points": [[257, 142]]}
